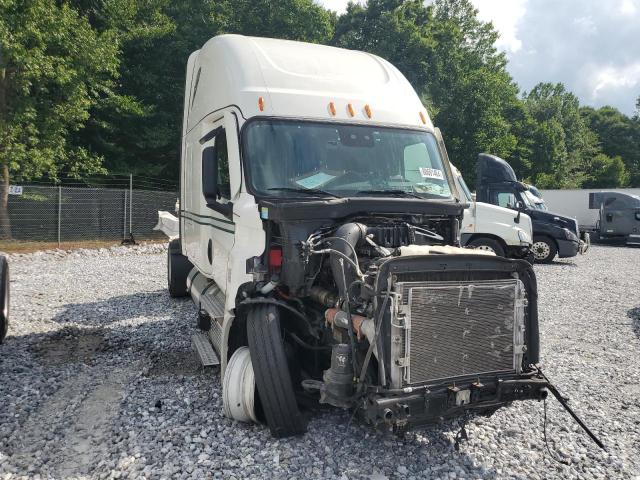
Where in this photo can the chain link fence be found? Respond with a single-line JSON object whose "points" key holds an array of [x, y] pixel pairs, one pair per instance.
{"points": [[63, 214]]}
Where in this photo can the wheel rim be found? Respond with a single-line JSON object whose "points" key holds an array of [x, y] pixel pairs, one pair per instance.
{"points": [[541, 250], [238, 389], [486, 248]]}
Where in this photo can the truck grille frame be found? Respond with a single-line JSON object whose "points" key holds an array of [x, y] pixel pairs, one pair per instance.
{"points": [[456, 328]]}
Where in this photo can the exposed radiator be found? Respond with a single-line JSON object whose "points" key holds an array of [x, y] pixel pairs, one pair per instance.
{"points": [[453, 329]]}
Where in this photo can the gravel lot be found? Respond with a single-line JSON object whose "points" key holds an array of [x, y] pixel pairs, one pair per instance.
{"points": [[97, 380]]}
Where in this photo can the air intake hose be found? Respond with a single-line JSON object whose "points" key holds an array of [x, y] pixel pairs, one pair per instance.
{"points": [[351, 233]]}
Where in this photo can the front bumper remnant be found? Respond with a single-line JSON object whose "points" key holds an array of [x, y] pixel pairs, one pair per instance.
{"points": [[421, 405]]}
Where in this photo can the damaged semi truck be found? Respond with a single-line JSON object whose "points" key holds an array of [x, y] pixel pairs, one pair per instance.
{"points": [[320, 241]]}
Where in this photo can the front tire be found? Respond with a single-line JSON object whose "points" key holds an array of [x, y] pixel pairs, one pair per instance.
{"points": [[275, 388], [178, 268], [544, 249], [488, 244]]}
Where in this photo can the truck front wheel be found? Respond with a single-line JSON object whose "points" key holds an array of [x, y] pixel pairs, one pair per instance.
{"points": [[488, 244], [544, 249], [273, 379]]}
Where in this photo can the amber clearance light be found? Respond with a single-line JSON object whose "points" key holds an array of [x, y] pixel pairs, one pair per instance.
{"points": [[367, 110], [261, 104]]}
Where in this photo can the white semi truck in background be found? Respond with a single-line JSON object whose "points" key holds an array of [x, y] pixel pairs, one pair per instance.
{"points": [[319, 237], [493, 228]]}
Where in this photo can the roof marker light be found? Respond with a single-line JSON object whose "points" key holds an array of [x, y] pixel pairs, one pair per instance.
{"points": [[261, 104], [367, 110], [332, 108], [423, 118], [351, 110]]}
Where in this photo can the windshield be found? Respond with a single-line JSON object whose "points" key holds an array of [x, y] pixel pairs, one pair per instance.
{"points": [[290, 158], [532, 201]]}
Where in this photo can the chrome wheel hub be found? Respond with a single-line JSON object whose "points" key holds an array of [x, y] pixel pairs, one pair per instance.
{"points": [[541, 250]]}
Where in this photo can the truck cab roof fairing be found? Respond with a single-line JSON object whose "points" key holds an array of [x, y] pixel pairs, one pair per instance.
{"points": [[297, 79]]}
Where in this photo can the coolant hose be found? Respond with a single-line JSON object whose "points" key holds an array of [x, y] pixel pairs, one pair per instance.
{"points": [[352, 233]]}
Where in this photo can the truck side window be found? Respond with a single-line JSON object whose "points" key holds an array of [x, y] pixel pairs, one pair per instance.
{"points": [[507, 200], [222, 160]]}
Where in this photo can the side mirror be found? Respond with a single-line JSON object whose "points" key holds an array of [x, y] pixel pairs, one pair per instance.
{"points": [[209, 175], [519, 207]]}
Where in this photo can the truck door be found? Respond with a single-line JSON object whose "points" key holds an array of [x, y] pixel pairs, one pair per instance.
{"points": [[216, 229]]}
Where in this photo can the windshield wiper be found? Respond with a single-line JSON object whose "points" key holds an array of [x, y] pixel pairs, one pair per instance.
{"points": [[308, 191], [396, 192]]}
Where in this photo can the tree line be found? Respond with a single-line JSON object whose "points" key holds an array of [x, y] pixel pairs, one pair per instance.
{"points": [[96, 86]]}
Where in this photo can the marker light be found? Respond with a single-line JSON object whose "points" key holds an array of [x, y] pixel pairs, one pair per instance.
{"points": [[332, 108], [275, 259], [261, 104], [351, 110], [367, 110], [423, 118]]}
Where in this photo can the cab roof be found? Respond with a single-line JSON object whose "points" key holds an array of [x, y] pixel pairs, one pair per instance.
{"points": [[296, 79]]}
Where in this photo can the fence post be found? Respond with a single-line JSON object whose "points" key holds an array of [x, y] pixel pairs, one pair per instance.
{"points": [[124, 217], [59, 212], [131, 205]]}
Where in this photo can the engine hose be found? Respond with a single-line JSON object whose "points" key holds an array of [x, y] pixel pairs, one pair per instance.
{"points": [[352, 339], [330, 239]]}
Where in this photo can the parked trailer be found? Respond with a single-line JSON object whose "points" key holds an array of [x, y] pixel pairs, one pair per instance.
{"points": [[319, 239]]}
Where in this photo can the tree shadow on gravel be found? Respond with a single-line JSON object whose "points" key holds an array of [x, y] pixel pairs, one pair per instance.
{"points": [[100, 313]]}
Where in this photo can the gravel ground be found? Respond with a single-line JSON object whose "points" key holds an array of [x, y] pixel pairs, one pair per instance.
{"points": [[97, 380]]}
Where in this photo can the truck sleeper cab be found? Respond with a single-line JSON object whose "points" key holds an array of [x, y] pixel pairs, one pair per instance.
{"points": [[553, 234], [319, 240], [618, 216], [493, 228]]}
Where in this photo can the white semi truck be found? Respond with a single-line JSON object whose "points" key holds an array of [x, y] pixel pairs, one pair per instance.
{"points": [[493, 228], [319, 237]]}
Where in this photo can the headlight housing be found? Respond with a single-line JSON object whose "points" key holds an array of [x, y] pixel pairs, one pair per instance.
{"points": [[524, 237], [569, 235]]}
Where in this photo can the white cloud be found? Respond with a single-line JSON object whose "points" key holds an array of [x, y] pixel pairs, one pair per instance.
{"points": [[611, 78], [628, 7], [506, 16]]}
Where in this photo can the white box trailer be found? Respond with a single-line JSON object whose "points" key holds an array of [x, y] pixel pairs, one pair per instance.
{"points": [[319, 239]]}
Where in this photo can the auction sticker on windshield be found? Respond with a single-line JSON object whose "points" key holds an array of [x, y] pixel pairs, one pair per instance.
{"points": [[431, 173]]}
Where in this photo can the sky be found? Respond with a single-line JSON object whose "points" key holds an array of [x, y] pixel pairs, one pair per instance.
{"points": [[592, 46]]}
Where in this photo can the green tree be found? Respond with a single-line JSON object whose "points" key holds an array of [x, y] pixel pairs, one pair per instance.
{"points": [[564, 146], [53, 68], [606, 172], [618, 135]]}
